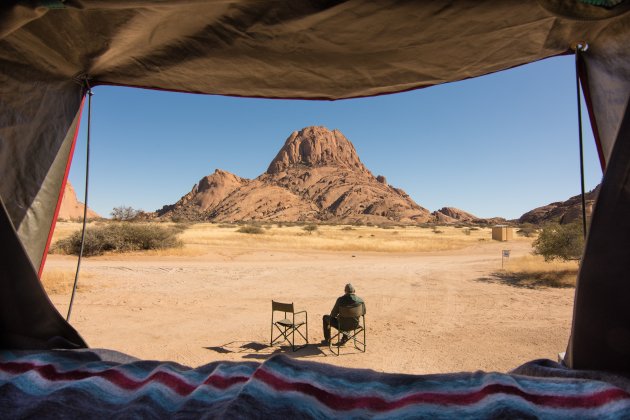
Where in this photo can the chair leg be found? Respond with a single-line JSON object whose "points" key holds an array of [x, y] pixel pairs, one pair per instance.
{"points": [[364, 341], [332, 345]]}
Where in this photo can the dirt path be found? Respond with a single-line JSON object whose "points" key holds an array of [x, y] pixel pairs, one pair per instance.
{"points": [[426, 313]]}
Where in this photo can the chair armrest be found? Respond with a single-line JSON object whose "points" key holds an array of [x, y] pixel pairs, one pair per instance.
{"points": [[301, 312]]}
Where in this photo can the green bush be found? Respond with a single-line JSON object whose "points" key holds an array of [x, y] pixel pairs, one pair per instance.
{"points": [[120, 237], [254, 230], [565, 242]]}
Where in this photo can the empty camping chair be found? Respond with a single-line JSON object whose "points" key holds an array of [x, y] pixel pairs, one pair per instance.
{"points": [[288, 327], [351, 321]]}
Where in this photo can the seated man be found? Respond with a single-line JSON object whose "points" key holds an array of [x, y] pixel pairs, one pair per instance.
{"points": [[348, 299]]}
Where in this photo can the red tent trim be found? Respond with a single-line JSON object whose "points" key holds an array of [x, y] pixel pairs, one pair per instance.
{"points": [[61, 191]]}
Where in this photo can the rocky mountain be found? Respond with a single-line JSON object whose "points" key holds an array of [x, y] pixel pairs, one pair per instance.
{"points": [[562, 211], [453, 215], [71, 208], [209, 192], [316, 176]]}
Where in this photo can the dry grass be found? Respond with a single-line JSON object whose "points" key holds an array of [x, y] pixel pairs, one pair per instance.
{"points": [[335, 238], [533, 272], [60, 282], [65, 229], [201, 238]]}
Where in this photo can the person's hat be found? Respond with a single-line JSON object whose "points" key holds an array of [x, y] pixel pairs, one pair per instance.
{"points": [[349, 288]]}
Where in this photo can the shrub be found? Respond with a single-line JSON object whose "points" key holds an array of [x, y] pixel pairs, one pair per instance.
{"points": [[466, 231], [310, 228], [527, 230], [254, 230], [565, 242], [119, 237], [436, 230], [347, 228]]}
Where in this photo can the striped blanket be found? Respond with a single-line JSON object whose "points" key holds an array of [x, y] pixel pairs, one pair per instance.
{"points": [[87, 384]]}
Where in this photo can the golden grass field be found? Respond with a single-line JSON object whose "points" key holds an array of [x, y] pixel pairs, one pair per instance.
{"points": [[437, 302], [60, 281], [534, 271], [199, 237]]}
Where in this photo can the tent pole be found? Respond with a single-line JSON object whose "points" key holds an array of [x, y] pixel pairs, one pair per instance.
{"points": [[85, 205], [579, 48]]}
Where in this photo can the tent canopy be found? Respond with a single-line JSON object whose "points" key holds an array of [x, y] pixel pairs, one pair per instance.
{"points": [[50, 50]]}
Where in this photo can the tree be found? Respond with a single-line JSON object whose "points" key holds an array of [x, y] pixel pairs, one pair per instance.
{"points": [[565, 242], [123, 213]]}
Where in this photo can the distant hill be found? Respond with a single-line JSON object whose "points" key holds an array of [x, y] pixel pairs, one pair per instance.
{"points": [[71, 208], [562, 211], [453, 215], [316, 176]]}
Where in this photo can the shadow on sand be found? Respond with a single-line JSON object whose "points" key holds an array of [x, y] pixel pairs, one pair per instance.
{"points": [[258, 350], [532, 280]]}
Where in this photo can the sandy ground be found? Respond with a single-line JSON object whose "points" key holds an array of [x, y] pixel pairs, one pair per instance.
{"points": [[426, 312]]}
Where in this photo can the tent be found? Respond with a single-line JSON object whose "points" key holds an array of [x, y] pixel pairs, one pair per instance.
{"points": [[51, 51]]}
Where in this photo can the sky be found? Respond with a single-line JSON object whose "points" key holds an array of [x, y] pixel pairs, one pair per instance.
{"points": [[497, 145]]}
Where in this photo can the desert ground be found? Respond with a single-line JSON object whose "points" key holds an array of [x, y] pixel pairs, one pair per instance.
{"points": [[437, 299]]}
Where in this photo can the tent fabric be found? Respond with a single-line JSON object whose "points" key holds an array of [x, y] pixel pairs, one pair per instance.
{"points": [[28, 319], [38, 120], [608, 78], [600, 336], [326, 49]]}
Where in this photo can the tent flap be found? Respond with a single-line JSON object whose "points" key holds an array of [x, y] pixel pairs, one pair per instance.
{"points": [[600, 337], [28, 320]]}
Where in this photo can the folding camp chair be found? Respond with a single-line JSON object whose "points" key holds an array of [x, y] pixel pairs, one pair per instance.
{"points": [[288, 327], [351, 323]]}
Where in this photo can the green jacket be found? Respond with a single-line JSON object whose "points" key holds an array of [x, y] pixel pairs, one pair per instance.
{"points": [[349, 299]]}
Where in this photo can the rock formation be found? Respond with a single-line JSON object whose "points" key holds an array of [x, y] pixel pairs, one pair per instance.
{"points": [[453, 215], [204, 196], [71, 208], [316, 176], [561, 212]]}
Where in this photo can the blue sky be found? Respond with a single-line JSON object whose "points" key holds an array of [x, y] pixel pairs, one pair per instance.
{"points": [[497, 145]]}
